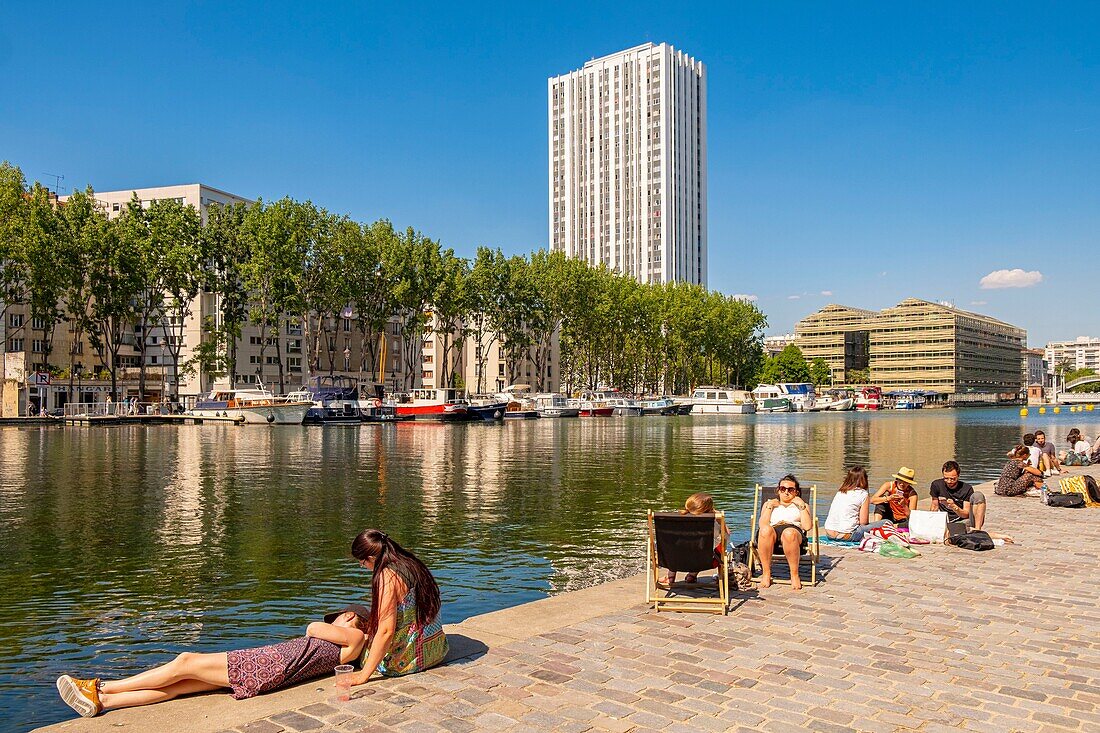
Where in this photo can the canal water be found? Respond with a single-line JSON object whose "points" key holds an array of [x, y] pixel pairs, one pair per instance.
{"points": [[122, 546]]}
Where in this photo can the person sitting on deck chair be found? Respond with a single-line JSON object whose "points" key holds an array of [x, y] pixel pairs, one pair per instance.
{"points": [[784, 522], [699, 503]]}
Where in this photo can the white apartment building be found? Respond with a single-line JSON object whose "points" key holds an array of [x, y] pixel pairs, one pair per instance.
{"points": [[1081, 353], [627, 138]]}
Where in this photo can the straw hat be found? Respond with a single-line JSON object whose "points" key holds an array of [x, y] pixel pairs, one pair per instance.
{"points": [[907, 475]]}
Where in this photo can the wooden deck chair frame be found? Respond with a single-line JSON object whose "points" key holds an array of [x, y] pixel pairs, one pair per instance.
{"points": [[660, 598], [813, 541]]}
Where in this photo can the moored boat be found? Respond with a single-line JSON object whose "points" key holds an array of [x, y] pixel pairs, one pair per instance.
{"points": [[334, 400], [722, 400], [909, 400], [256, 406], [769, 398], [624, 406], [869, 398], [486, 407], [431, 403], [587, 406], [658, 406], [835, 400], [801, 394], [551, 404]]}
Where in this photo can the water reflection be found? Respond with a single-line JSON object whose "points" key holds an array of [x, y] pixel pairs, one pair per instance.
{"points": [[124, 545]]}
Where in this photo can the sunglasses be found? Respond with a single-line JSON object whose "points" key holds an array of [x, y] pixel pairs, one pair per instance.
{"points": [[788, 489]]}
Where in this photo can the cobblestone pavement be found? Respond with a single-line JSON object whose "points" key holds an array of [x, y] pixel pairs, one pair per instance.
{"points": [[954, 640]]}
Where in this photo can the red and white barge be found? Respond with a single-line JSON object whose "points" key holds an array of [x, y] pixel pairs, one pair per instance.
{"points": [[433, 404]]}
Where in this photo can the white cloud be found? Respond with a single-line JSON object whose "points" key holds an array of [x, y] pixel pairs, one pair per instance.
{"points": [[826, 293], [745, 297], [977, 302], [793, 297], [1011, 279]]}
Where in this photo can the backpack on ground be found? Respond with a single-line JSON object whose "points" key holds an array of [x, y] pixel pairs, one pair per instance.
{"points": [[1092, 489], [1066, 501], [977, 540]]}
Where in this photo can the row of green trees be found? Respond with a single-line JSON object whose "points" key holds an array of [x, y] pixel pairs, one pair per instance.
{"points": [[269, 264]]}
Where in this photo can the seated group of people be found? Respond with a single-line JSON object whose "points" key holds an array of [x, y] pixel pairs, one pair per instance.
{"points": [[1035, 458], [786, 519]]}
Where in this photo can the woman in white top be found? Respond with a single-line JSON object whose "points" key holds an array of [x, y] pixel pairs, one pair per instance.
{"points": [[784, 522], [1079, 449], [851, 508]]}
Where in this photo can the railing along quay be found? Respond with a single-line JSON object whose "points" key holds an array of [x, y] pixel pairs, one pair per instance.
{"points": [[146, 413]]}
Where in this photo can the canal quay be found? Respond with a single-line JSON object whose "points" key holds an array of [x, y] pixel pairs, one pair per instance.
{"points": [[129, 544]]}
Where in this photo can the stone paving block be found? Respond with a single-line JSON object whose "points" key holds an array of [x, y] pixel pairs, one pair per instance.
{"points": [[262, 726], [296, 721]]}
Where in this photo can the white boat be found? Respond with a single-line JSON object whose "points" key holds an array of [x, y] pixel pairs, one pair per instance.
{"points": [[256, 406], [909, 401], [769, 398], [722, 400], [836, 400], [519, 402], [624, 406], [659, 406], [801, 395], [551, 404]]}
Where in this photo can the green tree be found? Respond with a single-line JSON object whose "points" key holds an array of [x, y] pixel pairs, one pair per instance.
{"points": [[820, 372], [116, 285], [488, 292], [858, 376], [787, 366], [451, 306], [370, 289], [177, 229], [228, 253], [44, 280], [82, 230], [13, 226]]}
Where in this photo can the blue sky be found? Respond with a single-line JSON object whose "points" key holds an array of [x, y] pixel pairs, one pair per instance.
{"points": [[858, 153]]}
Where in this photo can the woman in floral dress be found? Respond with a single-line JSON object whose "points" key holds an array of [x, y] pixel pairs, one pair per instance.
{"points": [[1018, 475], [403, 630]]}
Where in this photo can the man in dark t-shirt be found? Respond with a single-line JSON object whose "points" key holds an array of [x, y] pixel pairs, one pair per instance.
{"points": [[957, 498]]}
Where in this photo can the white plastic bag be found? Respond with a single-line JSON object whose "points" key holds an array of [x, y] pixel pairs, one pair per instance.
{"points": [[931, 526]]}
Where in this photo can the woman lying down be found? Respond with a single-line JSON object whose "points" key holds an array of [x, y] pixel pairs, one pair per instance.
{"points": [[247, 672]]}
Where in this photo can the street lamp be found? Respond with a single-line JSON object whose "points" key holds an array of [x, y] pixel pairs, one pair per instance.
{"points": [[347, 359]]}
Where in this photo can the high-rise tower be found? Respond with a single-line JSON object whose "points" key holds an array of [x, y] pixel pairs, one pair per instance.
{"points": [[628, 164]]}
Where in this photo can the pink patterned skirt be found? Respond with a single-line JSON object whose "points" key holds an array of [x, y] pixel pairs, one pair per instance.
{"points": [[267, 668]]}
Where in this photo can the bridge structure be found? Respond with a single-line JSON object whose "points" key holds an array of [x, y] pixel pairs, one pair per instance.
{"points": [[1090, 379], [1065, 397]]}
